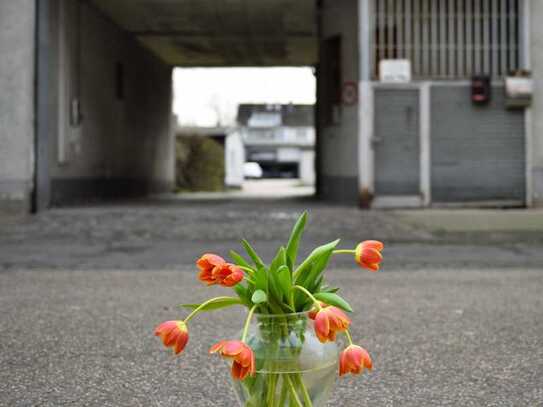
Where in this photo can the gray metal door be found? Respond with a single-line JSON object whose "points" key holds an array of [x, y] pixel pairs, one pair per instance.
{"points": [[397, 142]]}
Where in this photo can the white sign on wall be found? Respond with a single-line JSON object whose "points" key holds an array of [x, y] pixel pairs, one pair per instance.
{"points": [[395, 70]]}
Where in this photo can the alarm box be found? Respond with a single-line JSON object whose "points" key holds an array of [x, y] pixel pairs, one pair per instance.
{"points": [[519, 89], [480, 89]]}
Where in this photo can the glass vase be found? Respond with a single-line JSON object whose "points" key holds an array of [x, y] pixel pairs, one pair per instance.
{"points": [[293, 368]]}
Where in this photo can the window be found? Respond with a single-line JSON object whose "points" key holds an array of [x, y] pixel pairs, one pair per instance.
{"points": [[449, 39]]}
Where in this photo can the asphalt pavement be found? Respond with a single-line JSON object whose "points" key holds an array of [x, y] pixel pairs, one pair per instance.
{"points": [[455, 318]]}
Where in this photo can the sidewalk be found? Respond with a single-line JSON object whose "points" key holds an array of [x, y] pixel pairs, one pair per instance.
{"points": [[475, 220]]}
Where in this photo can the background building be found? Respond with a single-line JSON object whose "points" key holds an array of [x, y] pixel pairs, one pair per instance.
{"points": [[81, 120], [281, 138]]}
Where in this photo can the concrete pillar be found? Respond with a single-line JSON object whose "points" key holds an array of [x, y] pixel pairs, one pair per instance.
{"points": [[338, 123], [234, 158], [17, 36], [365, 105], [307, 167], [535, 144]]}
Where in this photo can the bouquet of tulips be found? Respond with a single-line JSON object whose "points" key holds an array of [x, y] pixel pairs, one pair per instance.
{"points": [[276, 294]]}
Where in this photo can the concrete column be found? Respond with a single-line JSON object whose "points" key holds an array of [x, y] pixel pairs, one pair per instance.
{"points": [[307, 167], [535, 144], [234, 158], [365, 105], [17, 33]]}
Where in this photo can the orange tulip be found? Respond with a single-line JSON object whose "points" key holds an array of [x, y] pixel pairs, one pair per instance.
{"points": [[174, 334], [328, 321], [227, 275], [207, 264], [368, 254], [242, 355], [353, 360]]}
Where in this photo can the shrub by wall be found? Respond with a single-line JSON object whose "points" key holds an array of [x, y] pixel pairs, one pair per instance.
{"points": [[199, 164]]}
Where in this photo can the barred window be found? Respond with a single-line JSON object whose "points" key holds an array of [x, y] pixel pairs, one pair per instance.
{"points": [[449, 39]]}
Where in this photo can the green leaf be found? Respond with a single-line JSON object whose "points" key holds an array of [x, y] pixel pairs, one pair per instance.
{"points": [[274, 284], [275, 288], [316, 286], [238, 259], [294, 240], [333, 299], [252, 254], [243, 293], [318, 258], [259, 297], [285, 279], [217, 303], [279, 260], [328, 289], [261, 279]]}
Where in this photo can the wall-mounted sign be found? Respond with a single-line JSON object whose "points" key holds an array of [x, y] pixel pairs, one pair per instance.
{"points": [[349, 93], [395, 70]]}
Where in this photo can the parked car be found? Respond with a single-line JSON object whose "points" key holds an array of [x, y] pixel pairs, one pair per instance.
{"points": [[252, 170]]}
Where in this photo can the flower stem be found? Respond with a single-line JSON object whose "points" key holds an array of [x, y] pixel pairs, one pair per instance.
{"points": [[293, 391], [247, 321], [344, 251], [304, 290], [307, 398], [247, 269], [272, 382], [349, 338], [202, 305], [284, 390]]}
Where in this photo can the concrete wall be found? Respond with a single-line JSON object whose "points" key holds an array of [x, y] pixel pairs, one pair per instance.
{"points": [[124, 143], [338, 142], [17, 25], [536, 142]]}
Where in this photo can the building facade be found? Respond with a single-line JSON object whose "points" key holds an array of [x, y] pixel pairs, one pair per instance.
{"points": [[425, 139], [86, 92], [281, 138]]}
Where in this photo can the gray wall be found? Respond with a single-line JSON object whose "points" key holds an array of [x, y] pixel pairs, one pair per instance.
{"points": [[16, 104], [477, 152], [124, 146], [338, 143]]}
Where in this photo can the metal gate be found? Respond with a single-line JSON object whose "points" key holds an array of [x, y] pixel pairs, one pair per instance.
{"points": [[396, 145]]}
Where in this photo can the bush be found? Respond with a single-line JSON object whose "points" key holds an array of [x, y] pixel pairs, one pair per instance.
{"points": [[199, 164]]}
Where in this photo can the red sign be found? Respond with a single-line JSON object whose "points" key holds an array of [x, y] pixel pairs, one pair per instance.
{"points": [[349, 93]]}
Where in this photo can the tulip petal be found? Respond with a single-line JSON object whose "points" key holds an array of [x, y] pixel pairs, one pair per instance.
{"points": [[373, 267], [244, 358], [237, 371], [370, 255], [232, 348], [209, 260], [374, 244], [322, 326], [182, 340], [217, 347]]}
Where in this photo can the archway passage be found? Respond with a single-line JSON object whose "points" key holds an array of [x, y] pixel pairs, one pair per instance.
{"points": [[221, 33], [105, 83]]}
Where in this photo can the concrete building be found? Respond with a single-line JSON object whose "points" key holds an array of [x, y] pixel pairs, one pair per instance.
{"points": [[281, 138], [422, 140], [85, 100]]}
